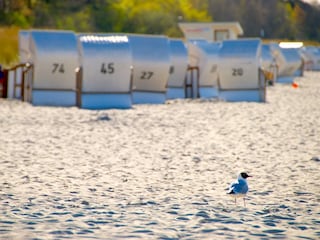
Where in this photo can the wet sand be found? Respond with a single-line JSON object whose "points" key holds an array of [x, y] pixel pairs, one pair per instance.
{"points": [[161, 171]]}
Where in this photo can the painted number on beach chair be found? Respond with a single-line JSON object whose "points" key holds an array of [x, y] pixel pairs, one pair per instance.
{"points": [[107, 68], [146, 75], [237, 71], [57, 68]]}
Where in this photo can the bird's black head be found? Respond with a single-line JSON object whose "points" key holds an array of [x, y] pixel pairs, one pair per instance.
{"points": [[244, 175]]}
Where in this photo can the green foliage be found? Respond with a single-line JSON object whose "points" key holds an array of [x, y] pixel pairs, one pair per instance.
{"points": [[293, 20], [158, 16], [18, 19], [9, 39]]}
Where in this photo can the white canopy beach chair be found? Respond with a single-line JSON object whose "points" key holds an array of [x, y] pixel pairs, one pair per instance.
{"points": [[240, 74], [106, 61]]}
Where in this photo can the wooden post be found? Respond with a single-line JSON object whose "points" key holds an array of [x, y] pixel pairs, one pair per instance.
{"points": [[78, 86]]}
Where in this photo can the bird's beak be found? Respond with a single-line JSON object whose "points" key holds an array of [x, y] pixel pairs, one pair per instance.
{"points": [[249, 176]]}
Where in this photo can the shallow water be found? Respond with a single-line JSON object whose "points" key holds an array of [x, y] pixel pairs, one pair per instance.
{"points": [[161, 172]]}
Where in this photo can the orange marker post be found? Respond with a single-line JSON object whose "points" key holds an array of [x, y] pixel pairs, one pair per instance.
{"points": [[295, 85]]}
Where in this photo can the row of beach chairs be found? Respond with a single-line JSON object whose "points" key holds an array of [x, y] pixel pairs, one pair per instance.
{"points": [[101, 71]]}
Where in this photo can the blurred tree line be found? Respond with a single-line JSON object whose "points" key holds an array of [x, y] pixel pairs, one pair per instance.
{"points": [[274, 19], [135, 16]]}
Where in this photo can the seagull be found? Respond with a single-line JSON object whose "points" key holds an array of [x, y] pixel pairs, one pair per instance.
{"points": [[239, 188]]}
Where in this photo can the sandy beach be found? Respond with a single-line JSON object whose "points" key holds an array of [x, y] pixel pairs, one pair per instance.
{"points": [[162, 171]]}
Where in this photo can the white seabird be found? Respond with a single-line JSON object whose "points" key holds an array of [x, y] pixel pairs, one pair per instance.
{"points": [[239, 188]]}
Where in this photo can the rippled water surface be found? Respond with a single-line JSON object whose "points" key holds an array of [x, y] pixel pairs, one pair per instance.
{"points": [[161, 172]]}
